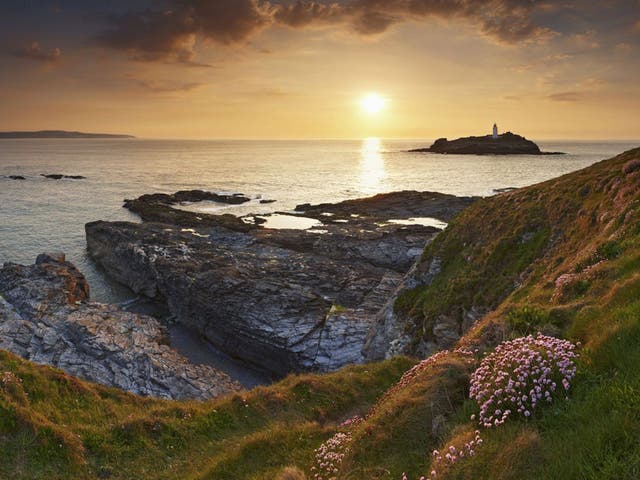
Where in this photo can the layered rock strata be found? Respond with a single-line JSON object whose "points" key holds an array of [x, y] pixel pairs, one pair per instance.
{"points": [[46, 317], [285, 300]]}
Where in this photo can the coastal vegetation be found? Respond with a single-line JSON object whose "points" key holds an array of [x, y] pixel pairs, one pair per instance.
{"points": [[561, 258]]}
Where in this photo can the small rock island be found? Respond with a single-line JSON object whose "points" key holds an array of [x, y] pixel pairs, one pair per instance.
{"points": [[494, 144]]}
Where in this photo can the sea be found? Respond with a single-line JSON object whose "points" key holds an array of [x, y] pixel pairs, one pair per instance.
{"points": [[40, 214]]}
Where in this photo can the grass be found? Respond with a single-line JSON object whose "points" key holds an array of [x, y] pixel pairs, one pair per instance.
{"points": [[54, 426]]}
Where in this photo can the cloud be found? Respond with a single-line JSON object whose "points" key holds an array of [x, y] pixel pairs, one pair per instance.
{"points": [[566, 96], [302, 13], [586, 40], [168, 87], [34, 52], [171, 34]]}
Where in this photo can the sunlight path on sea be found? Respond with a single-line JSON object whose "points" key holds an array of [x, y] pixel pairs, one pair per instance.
{"points": [[372, 167]]}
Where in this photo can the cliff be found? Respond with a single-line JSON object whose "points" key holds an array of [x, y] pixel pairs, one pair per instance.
{"points": [[561, 257], [506, 144]]}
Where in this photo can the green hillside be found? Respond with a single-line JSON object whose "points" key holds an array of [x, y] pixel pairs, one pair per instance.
{"points": [[561, 258]]}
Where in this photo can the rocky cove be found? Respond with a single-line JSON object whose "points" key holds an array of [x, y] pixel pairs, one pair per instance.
{"points": [[282, 300]]}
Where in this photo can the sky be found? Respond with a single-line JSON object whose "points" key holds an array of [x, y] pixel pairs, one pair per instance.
{"points": [[565, 69]]}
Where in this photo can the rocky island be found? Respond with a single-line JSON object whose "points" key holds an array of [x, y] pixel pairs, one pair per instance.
{"points": [[505, 144]]}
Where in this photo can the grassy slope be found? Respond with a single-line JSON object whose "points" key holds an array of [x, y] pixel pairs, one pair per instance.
{"points": [[502, 255], [54, 426]]}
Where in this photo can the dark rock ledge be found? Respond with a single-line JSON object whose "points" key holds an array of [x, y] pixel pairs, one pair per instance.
{"points": [[285, 300], [46, 317]]}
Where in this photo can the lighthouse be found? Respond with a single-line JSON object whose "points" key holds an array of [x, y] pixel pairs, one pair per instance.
{"points": [[495, 131]]}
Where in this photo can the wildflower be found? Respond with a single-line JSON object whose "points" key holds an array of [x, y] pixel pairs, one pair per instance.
{"points": [[518, 374]]}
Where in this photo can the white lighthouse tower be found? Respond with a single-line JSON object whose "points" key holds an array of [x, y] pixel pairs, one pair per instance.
{"points": [[495, 131]]}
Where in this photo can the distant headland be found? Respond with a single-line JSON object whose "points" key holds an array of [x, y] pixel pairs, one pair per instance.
{"points": [[492, 144], [59, 134]]}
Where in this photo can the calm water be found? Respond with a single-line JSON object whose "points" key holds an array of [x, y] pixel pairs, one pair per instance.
{"points": [[38, 214]]}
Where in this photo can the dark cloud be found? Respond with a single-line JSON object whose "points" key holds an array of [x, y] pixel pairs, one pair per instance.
{"points": [[372, 22], [171, 34], [507, 21], [227, 21], [34, 52], [152, 35], [303, 13]]}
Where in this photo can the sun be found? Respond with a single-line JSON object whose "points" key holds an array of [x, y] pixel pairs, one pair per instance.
{"points": [[373, 103]]}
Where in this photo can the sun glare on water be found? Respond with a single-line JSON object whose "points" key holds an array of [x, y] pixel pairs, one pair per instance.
{"points": [[373, 103]]}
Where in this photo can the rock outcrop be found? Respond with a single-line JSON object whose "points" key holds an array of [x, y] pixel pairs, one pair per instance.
{"points": [[60, 176], [46, 317], [159, 207], [505, 144], [286, 300]]}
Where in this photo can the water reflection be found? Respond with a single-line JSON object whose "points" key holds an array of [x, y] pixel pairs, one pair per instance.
{"points": [[372, 171]]}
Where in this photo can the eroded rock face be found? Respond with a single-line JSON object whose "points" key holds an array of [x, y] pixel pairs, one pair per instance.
{"points": [[264, 304], [46, 317], [285, 300]]}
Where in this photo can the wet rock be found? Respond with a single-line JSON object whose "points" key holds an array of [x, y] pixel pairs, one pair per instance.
{"points": [[394, 205], [16, 177], [46, 317], [158, 207]]}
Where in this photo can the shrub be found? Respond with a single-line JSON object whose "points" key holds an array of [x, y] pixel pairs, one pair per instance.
{"points": [[519, 375]]}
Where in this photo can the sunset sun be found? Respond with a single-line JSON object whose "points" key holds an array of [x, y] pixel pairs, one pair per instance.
{"points": [[373, 103]]}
